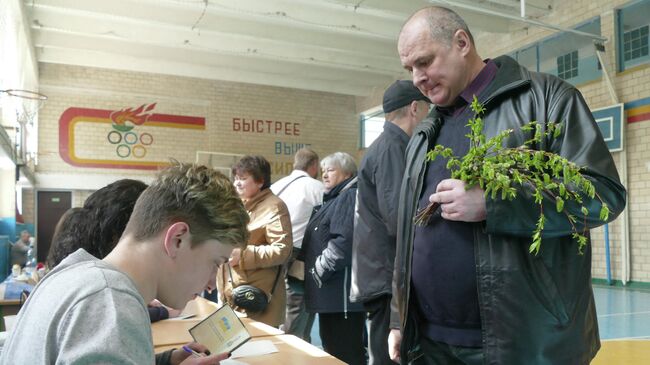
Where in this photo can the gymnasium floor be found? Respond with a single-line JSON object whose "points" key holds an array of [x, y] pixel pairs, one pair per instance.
{"points": [[624, 323]]}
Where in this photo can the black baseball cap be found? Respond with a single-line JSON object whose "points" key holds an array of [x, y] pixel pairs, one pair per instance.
{"points": [[401, 93]]}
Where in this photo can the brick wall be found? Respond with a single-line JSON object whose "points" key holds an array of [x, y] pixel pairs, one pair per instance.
{"points": [[328, 122], [28, 206]]}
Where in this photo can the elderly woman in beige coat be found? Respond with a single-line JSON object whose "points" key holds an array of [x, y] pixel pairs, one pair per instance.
{"points": [[269, 245]]}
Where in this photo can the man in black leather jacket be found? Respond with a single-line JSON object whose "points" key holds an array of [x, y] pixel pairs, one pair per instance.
{"points": [[465, 288]]}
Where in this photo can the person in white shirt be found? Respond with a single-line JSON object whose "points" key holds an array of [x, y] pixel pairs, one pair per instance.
{"points": [[301, 192]]}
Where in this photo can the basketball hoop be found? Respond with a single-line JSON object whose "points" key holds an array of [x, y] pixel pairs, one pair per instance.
{"points": [[26, 103]]}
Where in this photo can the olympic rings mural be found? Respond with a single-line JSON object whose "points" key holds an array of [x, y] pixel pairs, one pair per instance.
{"points": [[130, 145], [128, 142]]}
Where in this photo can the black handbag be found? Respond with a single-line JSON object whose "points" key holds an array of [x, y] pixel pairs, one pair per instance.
{"points": [[252, 298]]}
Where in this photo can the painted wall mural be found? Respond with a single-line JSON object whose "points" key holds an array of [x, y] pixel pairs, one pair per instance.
{"points": [[638, 110], [130, 138]]}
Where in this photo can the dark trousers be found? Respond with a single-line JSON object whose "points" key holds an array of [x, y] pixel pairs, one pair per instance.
{"points": [[298, 322], [438, 353], [343, 337], [378, 329]]}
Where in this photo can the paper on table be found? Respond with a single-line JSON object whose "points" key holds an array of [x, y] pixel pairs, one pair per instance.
{"points": [[201, 307], [254, 348], [186, 316], [232, 362]]}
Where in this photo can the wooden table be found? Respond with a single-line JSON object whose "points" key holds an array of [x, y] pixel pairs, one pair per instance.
{"points": [[174, 332], [292, 350], [8, 307]]}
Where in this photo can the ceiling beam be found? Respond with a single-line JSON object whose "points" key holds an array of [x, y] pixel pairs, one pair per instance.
{"points": [[229, 16], [358, 85], [255, 61], [381, 59]]}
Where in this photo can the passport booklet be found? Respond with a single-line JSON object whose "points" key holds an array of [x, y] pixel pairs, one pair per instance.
{"points": [[221, 331]]}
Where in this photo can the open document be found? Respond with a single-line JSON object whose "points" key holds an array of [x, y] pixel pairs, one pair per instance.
{"points": [[221, 331]]}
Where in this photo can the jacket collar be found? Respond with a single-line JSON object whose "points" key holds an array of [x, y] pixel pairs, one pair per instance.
{"points": [[510, 76], [341, 187], [252, 202], [429, 126], [296, 173], [393, 129]]}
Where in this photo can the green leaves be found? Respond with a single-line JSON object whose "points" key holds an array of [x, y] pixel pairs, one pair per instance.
{"points": [[604, 212], [503, 172], [537, 235]]}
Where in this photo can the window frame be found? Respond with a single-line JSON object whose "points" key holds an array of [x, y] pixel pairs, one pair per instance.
{"points": [[622, 64], [364, 117], [538, 45]]}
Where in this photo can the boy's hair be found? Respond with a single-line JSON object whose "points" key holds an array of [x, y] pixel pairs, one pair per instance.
{"points": [[257, 167], [203, 198]]}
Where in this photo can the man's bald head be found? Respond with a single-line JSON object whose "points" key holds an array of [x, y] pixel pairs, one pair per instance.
{"points": [[442, 23]]}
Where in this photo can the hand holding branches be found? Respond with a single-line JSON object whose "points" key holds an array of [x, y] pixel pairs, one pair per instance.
{"points": [[501, 172]]}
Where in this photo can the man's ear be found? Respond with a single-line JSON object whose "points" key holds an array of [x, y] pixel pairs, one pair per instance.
{"points": [[175, 235], [462, 41], [313, 169], [413, 108]]}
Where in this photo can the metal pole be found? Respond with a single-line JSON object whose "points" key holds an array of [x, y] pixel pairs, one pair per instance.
{"points": [[600, 49], [607, 258]]}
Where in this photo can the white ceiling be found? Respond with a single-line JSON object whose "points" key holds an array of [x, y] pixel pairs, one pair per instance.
{"points": [[341, 46]]}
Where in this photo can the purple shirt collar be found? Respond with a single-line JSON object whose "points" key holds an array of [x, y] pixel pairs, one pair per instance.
{"points": [[480, 82]]}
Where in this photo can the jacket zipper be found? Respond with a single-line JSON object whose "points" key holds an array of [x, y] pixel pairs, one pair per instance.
{"points": [[418, 187], [345, 293], [481, 305]]}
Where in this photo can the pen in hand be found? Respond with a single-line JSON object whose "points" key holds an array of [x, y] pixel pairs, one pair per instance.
{"points": [[192, 352]]}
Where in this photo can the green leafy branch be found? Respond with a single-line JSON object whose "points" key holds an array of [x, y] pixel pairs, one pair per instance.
{"points": [[499, 171]]}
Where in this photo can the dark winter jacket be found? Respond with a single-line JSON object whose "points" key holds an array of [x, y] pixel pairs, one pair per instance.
{"points": [[380, 178], [535, 309], [327, 252]]}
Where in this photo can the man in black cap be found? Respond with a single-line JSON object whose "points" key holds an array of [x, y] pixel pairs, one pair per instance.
{"points": [[375, 229]]}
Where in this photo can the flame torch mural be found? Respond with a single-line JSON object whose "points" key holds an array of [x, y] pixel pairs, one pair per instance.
{"points": [[129, 136]]}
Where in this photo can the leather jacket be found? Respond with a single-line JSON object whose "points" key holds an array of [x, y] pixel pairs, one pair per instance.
{"points": [[535, 309]]}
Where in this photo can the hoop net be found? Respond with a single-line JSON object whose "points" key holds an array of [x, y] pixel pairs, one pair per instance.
{"points": [[26, 103]]}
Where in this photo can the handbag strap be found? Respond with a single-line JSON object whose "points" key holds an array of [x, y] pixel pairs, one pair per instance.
{"points": [[275, 282], [290, 182], [277, 275]]}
